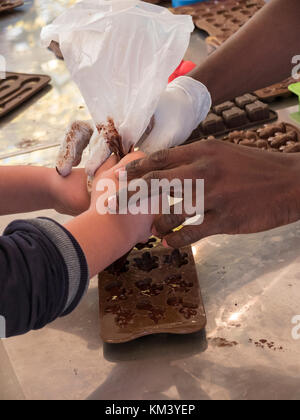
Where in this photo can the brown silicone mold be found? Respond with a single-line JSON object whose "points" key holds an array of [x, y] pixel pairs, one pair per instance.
{"points": [[276, 91], [156, 292], [221, 19], [17, 88], [212, 44], [279, 137], [6, 5], [243, 112]]}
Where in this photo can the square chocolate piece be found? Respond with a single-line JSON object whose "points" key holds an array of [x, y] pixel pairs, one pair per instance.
{"points": [[235, 117], [213, 124], [244, 100], [219, 109], [258, 111], [158, 292]]}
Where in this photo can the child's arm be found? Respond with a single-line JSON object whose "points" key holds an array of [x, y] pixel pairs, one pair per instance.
{"points": [[28, 188], [118, 232], [45, 267]]}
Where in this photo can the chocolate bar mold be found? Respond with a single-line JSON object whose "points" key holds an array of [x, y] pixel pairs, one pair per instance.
{"points": [[163, 346], [280, 137], [234, 115], [17, 88], [221, 19], [277, 91], [221, 22], [7, 5], [165, 300]]}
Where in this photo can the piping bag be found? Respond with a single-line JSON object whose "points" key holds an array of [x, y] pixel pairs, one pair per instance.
{"points": [[120, 53]]}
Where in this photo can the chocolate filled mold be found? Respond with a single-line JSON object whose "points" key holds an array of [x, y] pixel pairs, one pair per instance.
{"points": [[257, 111], [223, 27], [281, 137], [176, 258], [243, 112], [213, 124], [277, 91], [235, 117], [168, 300], [146, 262], [242, 101], [231, 15]]}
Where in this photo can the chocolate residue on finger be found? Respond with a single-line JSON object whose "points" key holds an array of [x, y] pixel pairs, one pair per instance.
{"points": [[76, 139], [112, 138]]}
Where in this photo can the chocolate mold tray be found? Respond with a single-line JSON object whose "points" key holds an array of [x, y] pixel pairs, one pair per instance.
{"points": [[280, 137], [276, 91], [6, 5], [221, 19], [17, 88], [243, 112], [156, 292]]}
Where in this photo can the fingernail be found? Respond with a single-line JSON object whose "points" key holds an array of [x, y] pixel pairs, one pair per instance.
{"points": [[112, 203]]}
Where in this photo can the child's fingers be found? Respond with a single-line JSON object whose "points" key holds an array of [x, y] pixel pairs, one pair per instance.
{"points": [[76, 140], [110, 163], [99, 153]]}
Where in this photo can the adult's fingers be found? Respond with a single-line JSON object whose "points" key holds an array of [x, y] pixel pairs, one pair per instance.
{"points": [[174, 185], [194, 233], [112, 164], [162, 159], [166, 223], [76, 140]]}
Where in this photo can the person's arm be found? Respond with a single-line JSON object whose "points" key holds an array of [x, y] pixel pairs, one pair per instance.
{"points": [[118, 232], [258, 55], [28, 188], [246, 190], [46, 267]]}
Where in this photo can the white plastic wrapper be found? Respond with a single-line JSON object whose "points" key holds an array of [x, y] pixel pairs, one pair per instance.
{"points": [[120, 53]]}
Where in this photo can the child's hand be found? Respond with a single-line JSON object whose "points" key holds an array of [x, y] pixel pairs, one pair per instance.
{"points": [[138, 227], [104, 238], [70, 195]]}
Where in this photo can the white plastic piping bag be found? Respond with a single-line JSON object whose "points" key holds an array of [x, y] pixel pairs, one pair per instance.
{"points": [[120, 53]]}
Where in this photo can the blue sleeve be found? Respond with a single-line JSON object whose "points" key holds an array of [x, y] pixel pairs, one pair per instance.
{"points": [[43, 274]]}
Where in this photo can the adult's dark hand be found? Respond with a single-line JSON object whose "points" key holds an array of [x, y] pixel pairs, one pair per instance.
{"points": [[246, 190]]}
